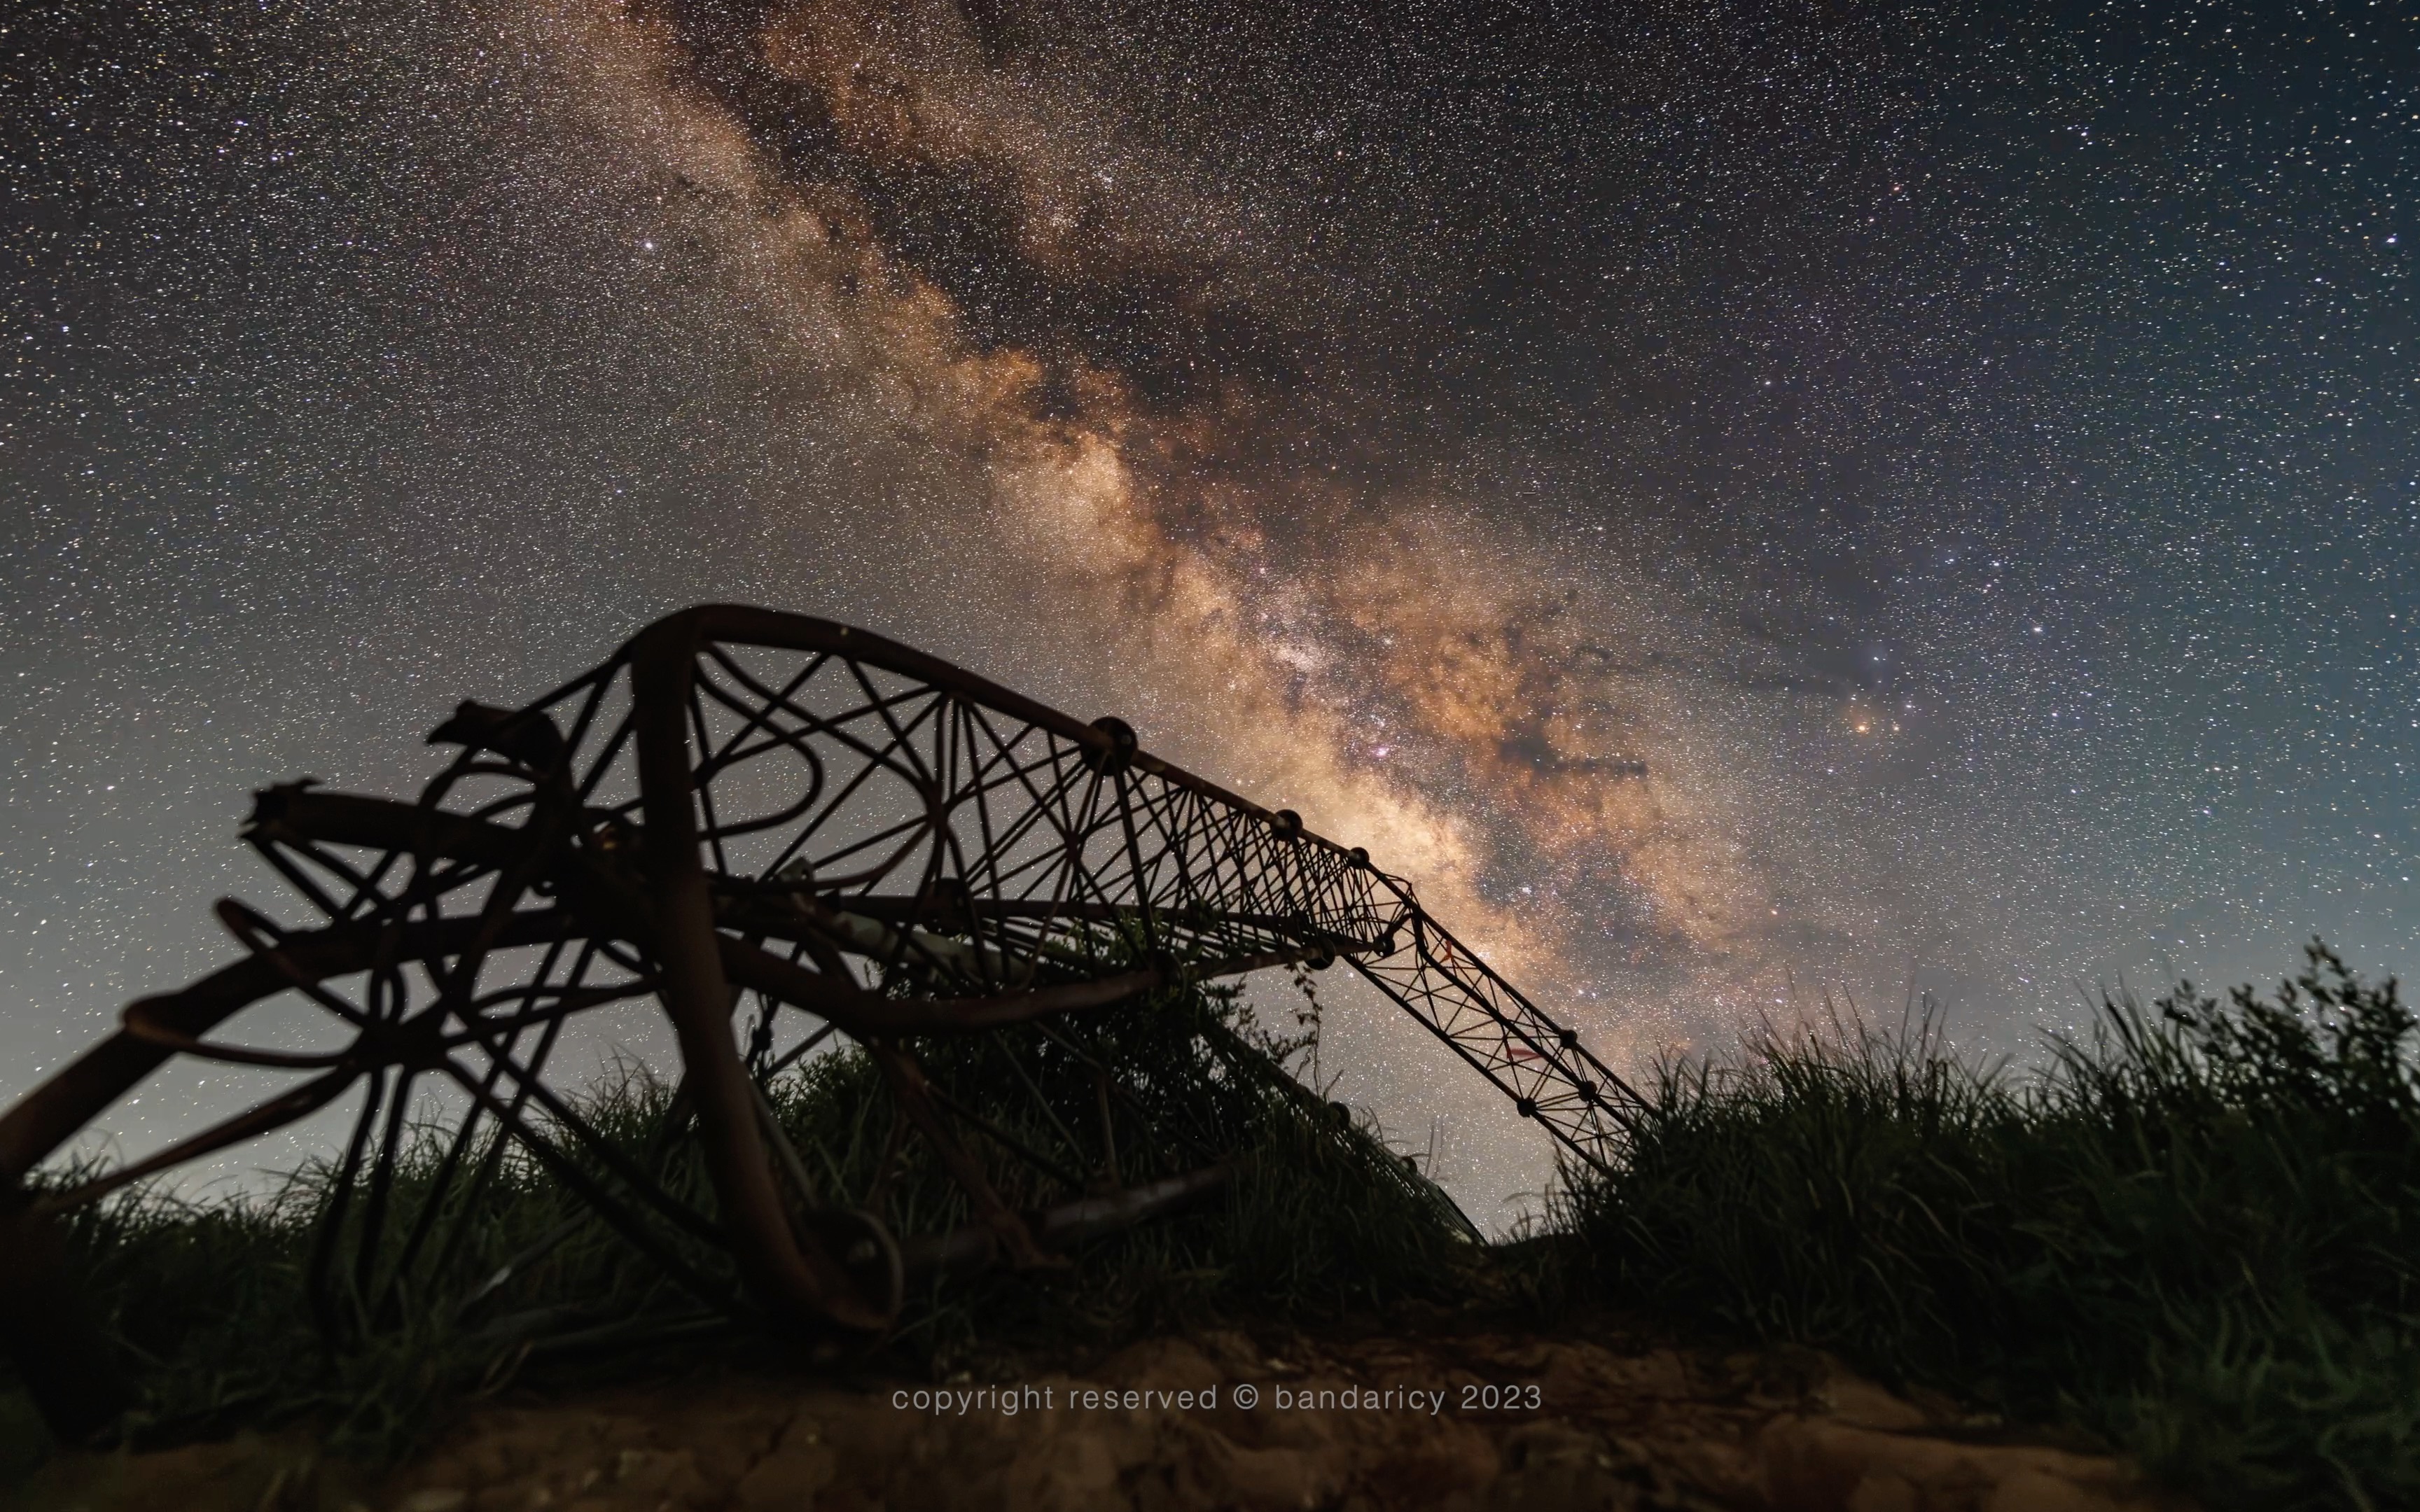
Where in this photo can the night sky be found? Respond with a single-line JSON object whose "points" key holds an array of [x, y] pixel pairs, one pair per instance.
{"points": [[1738, 503]]}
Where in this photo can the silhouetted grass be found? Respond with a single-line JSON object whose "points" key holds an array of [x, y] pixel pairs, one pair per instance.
{"points": [[2196, 1234], [208, 1300]]}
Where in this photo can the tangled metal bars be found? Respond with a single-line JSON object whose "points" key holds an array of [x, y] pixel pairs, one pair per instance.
{"points": [[740, 802]]}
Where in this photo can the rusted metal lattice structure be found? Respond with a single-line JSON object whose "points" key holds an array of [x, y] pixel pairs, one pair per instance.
{"points": [[746, 808]]}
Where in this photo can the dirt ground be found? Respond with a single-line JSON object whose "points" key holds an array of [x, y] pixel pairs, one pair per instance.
{"points": [[1600, 1426]]}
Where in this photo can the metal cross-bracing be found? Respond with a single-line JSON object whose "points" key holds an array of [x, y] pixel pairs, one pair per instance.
{"points": [[1537, 1062], [770, 831]]}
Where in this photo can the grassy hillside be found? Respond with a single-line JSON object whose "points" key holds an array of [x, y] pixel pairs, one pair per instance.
{"points": [[2197, 1233], [209, 1300], [2194, 1235]]}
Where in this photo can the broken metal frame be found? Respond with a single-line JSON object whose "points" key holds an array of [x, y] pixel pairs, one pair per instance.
{"points": [[738, 802]]}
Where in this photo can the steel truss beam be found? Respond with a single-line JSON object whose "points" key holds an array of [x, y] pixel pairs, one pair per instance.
{"points": [[741, 802]]}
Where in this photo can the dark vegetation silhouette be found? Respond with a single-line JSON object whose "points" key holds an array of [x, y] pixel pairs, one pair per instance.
{"points": [[2194, 1234], [208, 1297]]}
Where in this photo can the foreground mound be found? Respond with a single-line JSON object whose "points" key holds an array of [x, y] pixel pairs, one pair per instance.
{"points": [[1620, 1426]]}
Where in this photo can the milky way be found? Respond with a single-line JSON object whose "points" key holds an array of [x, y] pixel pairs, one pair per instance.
{"points": [[1739, 505]]}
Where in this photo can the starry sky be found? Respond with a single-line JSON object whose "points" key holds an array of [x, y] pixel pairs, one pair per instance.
{"points": [[1738, 503]]}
